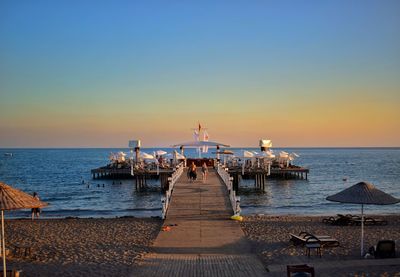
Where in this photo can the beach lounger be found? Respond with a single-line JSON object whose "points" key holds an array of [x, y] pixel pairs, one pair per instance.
{"points": [[304, 237], [370, 221], [384, 249], [340, 220]]}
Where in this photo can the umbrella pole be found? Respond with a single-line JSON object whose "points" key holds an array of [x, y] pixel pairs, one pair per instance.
{"points": [[362, 230], [2, 244]]}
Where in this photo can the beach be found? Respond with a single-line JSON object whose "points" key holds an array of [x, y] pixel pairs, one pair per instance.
{"points": [[113, 247], [80, 247], [270, 238]]}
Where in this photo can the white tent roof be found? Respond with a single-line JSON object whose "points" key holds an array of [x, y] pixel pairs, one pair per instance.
{"points": [[180, 156], [146, 156], [245, 154], [160, 152], [195, 144], [283, 154]]}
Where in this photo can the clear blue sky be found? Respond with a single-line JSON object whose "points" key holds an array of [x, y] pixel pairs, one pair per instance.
{"points": [[97, 73]]}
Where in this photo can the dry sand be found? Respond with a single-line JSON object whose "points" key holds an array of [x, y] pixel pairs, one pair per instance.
{"points": [[111, 247], [270, 237], [81, 247]]}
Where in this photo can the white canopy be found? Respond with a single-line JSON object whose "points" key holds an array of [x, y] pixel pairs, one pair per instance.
{"points": [[283, 154], [179, 156], [269, 154], [245, 154], [160, 152], [195, 144], [146, 156]]}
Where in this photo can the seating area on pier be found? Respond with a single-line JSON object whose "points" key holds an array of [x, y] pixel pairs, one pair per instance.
{"points": [[240, 163]]}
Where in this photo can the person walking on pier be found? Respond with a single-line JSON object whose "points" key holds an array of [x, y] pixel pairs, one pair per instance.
{"points": [[192, 172], [204, 171]]}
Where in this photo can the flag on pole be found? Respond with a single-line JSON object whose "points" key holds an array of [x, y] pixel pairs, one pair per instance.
{"points": [[199, 127], [196, 135], [205, 138]]}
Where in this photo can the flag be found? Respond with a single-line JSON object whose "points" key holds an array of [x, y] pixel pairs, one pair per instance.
{"points": [[199, 127], [196, 135], [205, 138]]}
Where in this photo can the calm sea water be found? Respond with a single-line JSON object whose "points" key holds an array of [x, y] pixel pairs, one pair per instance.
{"points": [[57, 175]]}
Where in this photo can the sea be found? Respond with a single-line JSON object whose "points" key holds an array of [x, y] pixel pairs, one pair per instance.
{"points": [[62, 178]]}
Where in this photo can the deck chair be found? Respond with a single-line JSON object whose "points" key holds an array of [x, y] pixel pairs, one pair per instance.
{"points": [[341, 220], [299, 269], [304, 237], [371, 221], [384, 249]]}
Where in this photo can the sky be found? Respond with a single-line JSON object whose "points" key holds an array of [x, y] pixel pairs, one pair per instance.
{"points": [[100, 73]]}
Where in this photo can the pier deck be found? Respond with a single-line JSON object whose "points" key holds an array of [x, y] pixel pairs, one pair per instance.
{"points": [[203, 241]]}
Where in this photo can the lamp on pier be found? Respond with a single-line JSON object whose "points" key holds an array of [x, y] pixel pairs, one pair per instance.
{"points": [[265, 144], [135, 145]]}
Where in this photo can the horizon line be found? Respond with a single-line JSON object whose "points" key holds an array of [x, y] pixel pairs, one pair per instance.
{"points": [[126, 147]]}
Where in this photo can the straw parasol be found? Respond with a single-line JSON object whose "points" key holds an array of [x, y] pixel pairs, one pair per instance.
{"points": [[14, 199], [363, 193]]}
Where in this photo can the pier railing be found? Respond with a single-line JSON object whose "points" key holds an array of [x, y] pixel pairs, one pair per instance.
{"points": [[227, 179], [166, 199]]}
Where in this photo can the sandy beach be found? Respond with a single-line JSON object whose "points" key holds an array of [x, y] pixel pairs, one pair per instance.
{"points": [[112, 247], [80, 247], [270, 238]]}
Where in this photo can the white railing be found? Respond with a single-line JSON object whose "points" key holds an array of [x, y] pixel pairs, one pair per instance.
{"points": [[166, 199], [227, 179]]}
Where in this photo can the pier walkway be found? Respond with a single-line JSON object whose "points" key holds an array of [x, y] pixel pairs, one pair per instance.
{"points": [[203, 241]]}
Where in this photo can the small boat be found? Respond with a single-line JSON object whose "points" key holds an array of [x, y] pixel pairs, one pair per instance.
{"points": [[8, 154]]}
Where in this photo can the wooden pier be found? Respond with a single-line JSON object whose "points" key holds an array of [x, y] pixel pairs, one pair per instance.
{"points": [[140, 176], [125, 173], [202, 239], [261, 176]]}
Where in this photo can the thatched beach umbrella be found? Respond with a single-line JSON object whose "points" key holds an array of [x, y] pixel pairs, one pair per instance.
{"points": [[14, 199], [363, 193]]}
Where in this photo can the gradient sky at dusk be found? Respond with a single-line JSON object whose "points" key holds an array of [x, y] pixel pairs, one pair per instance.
{"points": [[98, 73]]}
